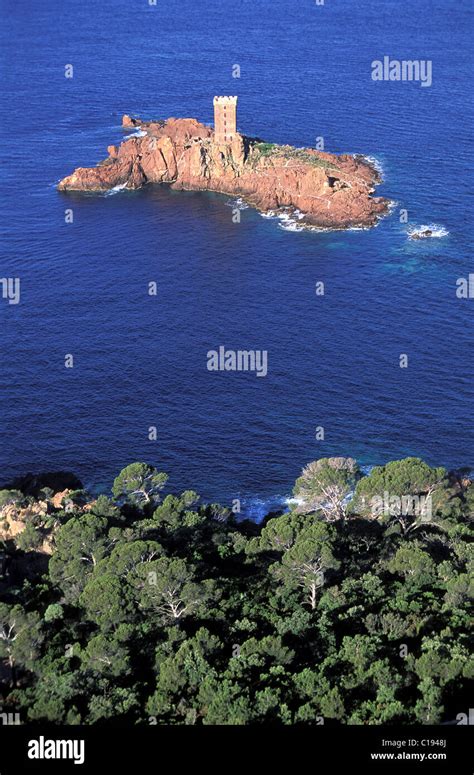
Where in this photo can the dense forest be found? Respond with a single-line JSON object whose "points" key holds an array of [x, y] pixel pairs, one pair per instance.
{"points": [[154, 608]]}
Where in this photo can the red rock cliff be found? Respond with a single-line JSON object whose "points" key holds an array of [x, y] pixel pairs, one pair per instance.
{"points": [[331, 191]]}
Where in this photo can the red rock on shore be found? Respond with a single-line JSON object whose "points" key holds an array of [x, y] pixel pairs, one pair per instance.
{"points": [[331, 191]]}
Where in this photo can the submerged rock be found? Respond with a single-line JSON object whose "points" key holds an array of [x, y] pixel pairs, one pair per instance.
{"points": [[421, 234], [426, 232]]}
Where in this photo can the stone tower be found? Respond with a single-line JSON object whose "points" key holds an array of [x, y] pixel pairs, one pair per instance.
{"points": [[225, 119]]}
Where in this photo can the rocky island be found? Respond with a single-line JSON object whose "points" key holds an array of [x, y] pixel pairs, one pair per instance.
{"points": [[325, 190]]}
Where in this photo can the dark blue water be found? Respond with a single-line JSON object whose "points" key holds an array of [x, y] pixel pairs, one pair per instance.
{"points": [[140, 361]]}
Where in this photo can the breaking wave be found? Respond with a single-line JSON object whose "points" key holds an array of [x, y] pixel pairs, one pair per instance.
{"points": [[139, 133], [116, 189], [288, 219]]}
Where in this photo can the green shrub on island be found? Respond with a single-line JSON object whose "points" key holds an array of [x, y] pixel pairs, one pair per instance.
{"points": [[265, 149], [289, 152], [354, 607]]}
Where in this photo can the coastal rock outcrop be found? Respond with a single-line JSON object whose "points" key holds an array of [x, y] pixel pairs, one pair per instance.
{"points": [[327, 191], [33, 484]]}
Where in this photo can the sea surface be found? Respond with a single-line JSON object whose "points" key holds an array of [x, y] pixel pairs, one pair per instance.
{"points": [[140, 361]]}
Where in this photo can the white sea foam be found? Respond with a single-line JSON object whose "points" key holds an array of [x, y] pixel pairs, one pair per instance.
{"points": [[138, 133], [238, 204], [376, 163], [293, 501], [256, 508], [289, 220], [116, 189], [290, 226], [436, 230]]}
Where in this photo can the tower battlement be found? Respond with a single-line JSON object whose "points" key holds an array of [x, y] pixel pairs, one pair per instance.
{"points": [[225, 100], [225, 119]]}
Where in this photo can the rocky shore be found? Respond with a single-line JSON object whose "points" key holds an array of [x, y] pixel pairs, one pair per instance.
{"points": [[328, 191]]}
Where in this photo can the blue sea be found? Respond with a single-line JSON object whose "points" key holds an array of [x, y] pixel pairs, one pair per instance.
{"points": [[140, 361]]}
